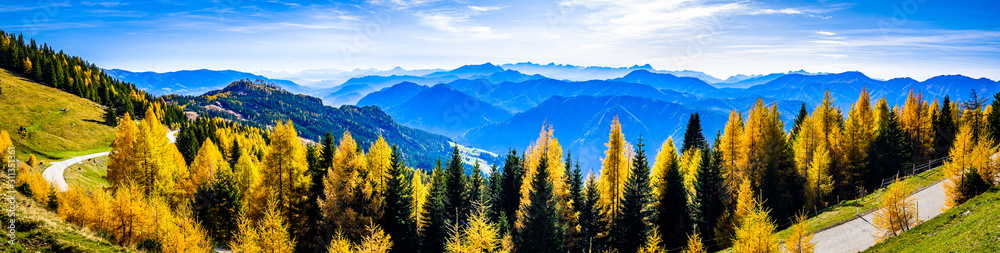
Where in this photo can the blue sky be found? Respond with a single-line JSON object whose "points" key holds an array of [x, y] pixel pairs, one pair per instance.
{"points": [[884, 39]]}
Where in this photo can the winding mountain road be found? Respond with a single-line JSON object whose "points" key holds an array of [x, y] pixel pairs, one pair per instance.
{"points": [[859, 234], [54, 173]]}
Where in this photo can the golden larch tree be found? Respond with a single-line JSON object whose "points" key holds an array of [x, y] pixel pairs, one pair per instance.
{"points": [[800, 240], [731, 143], [897, 211], [286, 170], [122, 160], [616, 169], [348, 204], [755, 233], [666, 159]]}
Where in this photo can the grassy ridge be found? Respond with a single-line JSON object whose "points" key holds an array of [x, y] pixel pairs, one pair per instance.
{"points": [[970, 227], [58, 125]]}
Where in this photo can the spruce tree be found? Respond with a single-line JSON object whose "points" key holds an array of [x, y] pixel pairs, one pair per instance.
{"points": [[889, 153], [803, 113], [217, 204], [396, 218], [455, 196], [670, 212], [593, 221], [509, 199], [693, 137], [540, 233], [714, 193], [631, 228], [476, 187], [993, 120], [436, 230], [329, 149], [944, 129]]}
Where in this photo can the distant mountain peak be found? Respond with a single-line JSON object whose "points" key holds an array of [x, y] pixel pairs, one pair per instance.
{"points": [[247, 85]]}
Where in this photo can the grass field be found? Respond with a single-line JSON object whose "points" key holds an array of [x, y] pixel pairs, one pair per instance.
{"points": [[849, 209], [58, 125], [41, 230], [970, 227], [89, 174]]}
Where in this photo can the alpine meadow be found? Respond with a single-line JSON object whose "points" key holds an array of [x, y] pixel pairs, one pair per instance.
{"points": [[434, 126]]}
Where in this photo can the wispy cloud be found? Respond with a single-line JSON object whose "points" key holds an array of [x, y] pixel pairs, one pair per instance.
{"points": [[458, 23], [105, 4], [826, 33]]}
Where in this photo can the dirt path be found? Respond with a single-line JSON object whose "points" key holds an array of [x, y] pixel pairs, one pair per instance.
{"points": [[859, 234], [54, 173]]}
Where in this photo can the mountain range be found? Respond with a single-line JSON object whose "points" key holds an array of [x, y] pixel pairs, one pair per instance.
{"points": [[192, 82], [496, 107]]}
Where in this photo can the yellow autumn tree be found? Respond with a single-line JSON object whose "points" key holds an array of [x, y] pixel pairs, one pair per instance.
{"points": [[799, 240], [616, 170], [32, 161], [479, 236], [744, 201], [915, 119], [270, 234], [819, 183], [248, 181], [419, 193], [286, 170], [731, 143], [546, 145], [667, 158], [897, 211], [653, 241], [122, 159], [206, 163], [694, 244], [961, 162], [375, 241], [690, 163], [756, 231], [859, 132], [348, 204], [378, 163]]}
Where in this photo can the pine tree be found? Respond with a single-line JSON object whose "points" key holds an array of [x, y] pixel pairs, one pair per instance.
{"points": [[397, 219], [540, 232], [329, 150], [671, 205], [890, 151], [944, 129], [509, 199], [455, 199], [993, 120], [803, 113], [916, 121], [476, 187], [631, 224], [714, 195], [217, 204], [693, 137], [436, 229], [593, 226], [732, 140]]}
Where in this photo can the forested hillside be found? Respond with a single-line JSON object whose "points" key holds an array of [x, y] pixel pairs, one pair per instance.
{"points": [[261, 104]]}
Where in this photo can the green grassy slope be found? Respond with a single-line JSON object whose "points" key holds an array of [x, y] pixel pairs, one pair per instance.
{"points": [[970, 227], [89, 174], [59, 125]]}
